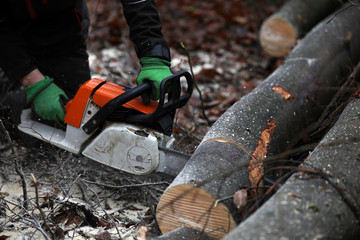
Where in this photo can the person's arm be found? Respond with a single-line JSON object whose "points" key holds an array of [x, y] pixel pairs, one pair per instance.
{"points": [[145, 29], [150, 45], [40, 90], [14, 59]]}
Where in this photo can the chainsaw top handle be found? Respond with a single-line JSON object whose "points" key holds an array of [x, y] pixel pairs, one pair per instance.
{"points": [[162, 118]]}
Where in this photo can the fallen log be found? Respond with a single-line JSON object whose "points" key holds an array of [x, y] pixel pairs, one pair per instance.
{"points": [[280, 32], [261, 123], [182, 233], [321, 200]]}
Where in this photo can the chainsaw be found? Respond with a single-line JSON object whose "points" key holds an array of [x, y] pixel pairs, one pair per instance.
{"points": [[109, 123]]}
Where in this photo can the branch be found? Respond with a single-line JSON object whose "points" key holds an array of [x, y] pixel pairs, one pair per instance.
{"points": [[343, 10], [99, 202], [196, 86], [17, 165], [124, 186], [42, 214]]}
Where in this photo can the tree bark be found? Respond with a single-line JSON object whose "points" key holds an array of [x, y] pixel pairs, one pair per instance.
{"points": [[279, 32], [261, 123], [321, 200], [182, 233]]}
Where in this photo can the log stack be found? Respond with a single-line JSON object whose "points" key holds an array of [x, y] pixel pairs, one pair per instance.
{"points": [[321, 200], [261, 123]]}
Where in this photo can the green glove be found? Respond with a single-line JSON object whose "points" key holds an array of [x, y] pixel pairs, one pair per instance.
{"points": [[154, 69], [46, 98]]}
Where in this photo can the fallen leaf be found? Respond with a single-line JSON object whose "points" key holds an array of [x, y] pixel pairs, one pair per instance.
{"points": [[103, 235], [5, 194], [241, 20], [240, 198], [294, 195], [142, 233]]}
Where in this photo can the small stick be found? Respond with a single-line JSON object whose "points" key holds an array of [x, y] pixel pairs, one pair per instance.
{"points": [[17, 165], [124, 186], [196, 86], [43, 216]]}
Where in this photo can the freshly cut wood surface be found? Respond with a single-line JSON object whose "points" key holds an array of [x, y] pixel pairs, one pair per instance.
{"points": [[192, 202], [277, 37], [280, 32]]}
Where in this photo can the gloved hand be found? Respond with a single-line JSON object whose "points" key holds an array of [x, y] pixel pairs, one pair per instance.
{"points": [[154, 69], [47, 99]]}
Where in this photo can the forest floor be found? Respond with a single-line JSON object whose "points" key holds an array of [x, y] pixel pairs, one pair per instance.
{"points": [[71, 197]]}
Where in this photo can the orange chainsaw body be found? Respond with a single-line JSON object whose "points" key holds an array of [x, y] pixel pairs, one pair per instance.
{"points": [[100, 92]]}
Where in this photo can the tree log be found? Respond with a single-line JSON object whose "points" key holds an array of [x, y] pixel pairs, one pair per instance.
{"points": [[182, 233], [279, 32], [260, 124], [321, 200]]}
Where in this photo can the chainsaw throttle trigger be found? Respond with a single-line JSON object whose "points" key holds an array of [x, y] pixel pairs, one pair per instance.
{"points": [[161, 119]]}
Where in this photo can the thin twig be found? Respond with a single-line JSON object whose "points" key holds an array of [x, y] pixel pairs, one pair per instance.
{"points": [[343, 10], [124, 186], [30, 222], [326, 177], [188, 133], [42, 214], [99, 202], [196, 86], [17, 165]]}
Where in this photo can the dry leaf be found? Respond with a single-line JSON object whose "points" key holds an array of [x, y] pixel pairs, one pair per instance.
{"points": [[240, 198], [142, 233], [5, 194], [103, 235], [294, 195]]}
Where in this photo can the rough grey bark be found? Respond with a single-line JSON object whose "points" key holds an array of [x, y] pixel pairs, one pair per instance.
{"points": [[182, 233], [280, 31], [321, 201], [224, 159]]}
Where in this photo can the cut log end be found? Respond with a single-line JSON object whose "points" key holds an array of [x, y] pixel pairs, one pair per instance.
{"points": [[187, 205], [277, 37]]}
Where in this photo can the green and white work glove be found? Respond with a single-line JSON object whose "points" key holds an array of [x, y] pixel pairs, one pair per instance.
{"points": [[155, 70], [47, 99]]}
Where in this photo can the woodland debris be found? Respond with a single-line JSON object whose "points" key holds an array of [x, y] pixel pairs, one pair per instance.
{"points": [[312, 73]]}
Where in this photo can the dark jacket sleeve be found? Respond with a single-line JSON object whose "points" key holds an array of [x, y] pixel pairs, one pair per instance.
{"points": [[14, 60], [145, 28]]}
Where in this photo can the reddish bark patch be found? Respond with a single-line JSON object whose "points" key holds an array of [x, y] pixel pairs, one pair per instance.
{"points": [[283, 92], [256, 166], [355, 96]]}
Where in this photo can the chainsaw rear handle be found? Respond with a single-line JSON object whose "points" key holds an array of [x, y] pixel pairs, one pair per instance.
{"points": [[175, 100]]}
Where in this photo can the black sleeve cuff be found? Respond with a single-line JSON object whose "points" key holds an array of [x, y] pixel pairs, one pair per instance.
{"points": [[159, 51], [20, 71]]}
